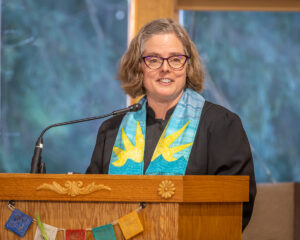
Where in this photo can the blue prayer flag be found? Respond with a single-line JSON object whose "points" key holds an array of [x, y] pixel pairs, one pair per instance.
{"points": [[105, 232], [18, 222]]}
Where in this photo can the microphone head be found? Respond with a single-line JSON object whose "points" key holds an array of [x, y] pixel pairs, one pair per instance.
{"points": [[135, 107]]}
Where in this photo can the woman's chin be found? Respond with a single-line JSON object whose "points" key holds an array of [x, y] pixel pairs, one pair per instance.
{"points": [[167, 96]]}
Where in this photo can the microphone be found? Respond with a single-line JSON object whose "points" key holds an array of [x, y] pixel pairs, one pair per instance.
{"points": [[37, 166]]}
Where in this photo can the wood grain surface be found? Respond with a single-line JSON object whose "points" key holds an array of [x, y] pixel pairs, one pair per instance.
{"points": [[203, 207], [160, 220], [127, 188], [237, 5]]}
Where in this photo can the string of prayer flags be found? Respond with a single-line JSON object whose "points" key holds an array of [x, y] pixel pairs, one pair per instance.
{"points": [[18, 222], [50, 231], [130, 225], [105, 232], [78, 234]]}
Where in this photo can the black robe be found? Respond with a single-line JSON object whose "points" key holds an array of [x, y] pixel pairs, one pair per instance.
{"points": [[221, 147]]}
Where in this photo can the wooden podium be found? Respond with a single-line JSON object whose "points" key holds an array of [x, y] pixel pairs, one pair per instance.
{"points": [[177, 207]]}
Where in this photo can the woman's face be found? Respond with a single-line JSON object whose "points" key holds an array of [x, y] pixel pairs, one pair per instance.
{"points": [[164, 84]]}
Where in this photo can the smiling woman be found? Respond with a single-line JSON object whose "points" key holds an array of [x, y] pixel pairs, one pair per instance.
{"points": [[176, 132]]}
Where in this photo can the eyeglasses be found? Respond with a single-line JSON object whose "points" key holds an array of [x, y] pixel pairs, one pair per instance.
{"points": [[175, 62]]}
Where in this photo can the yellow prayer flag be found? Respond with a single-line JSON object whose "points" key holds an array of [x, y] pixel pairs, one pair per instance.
{"points": [[130, 225]]}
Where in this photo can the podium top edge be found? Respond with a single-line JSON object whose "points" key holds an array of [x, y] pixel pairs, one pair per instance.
{"points": [[106, 176]]}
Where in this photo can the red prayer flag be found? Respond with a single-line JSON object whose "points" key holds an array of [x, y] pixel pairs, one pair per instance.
{"points": [[78, 234]]}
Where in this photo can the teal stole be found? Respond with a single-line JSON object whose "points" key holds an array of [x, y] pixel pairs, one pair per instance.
{"points": [[173, 149]]}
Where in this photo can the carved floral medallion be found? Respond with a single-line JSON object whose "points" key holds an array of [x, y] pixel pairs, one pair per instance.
{"points": [[166, 189]]}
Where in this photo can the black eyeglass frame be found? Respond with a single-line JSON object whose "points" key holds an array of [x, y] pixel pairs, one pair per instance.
{"points": [[167, 59]]}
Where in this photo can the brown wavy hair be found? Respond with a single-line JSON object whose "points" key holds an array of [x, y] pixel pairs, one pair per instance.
{"points": [[130, 73]]}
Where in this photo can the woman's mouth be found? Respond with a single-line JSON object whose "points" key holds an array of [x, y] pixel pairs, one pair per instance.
{"points": [[164, 80]]}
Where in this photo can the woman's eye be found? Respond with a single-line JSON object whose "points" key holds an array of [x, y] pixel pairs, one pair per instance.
{"points": [[177, 59], [153, 60]]}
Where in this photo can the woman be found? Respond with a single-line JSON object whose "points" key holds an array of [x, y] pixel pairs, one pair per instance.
{"points": [[176, 132]]}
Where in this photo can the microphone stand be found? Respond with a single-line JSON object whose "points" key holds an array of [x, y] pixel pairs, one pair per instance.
{"points": [[37, 166]]}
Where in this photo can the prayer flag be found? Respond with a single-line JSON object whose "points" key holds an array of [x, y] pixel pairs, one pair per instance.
{"points": [[50, 232], [105, 232], [18, 222], [130, 225], [78, 234]]}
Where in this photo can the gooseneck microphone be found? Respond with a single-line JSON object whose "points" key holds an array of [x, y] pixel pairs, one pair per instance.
{"points": [[37, 166]]}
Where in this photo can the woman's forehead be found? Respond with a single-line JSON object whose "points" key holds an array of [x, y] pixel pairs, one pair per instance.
{"points": [[163, 43]]}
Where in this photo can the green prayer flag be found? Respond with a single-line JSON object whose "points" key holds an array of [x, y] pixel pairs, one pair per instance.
{"points": [[105, 232]]}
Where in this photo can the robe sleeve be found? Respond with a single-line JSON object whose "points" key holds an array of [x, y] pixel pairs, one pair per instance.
{"points": [[95, 166], [229, 154]]}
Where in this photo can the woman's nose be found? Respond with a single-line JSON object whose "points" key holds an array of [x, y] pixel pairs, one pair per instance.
{"points": [[165, 66]]}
